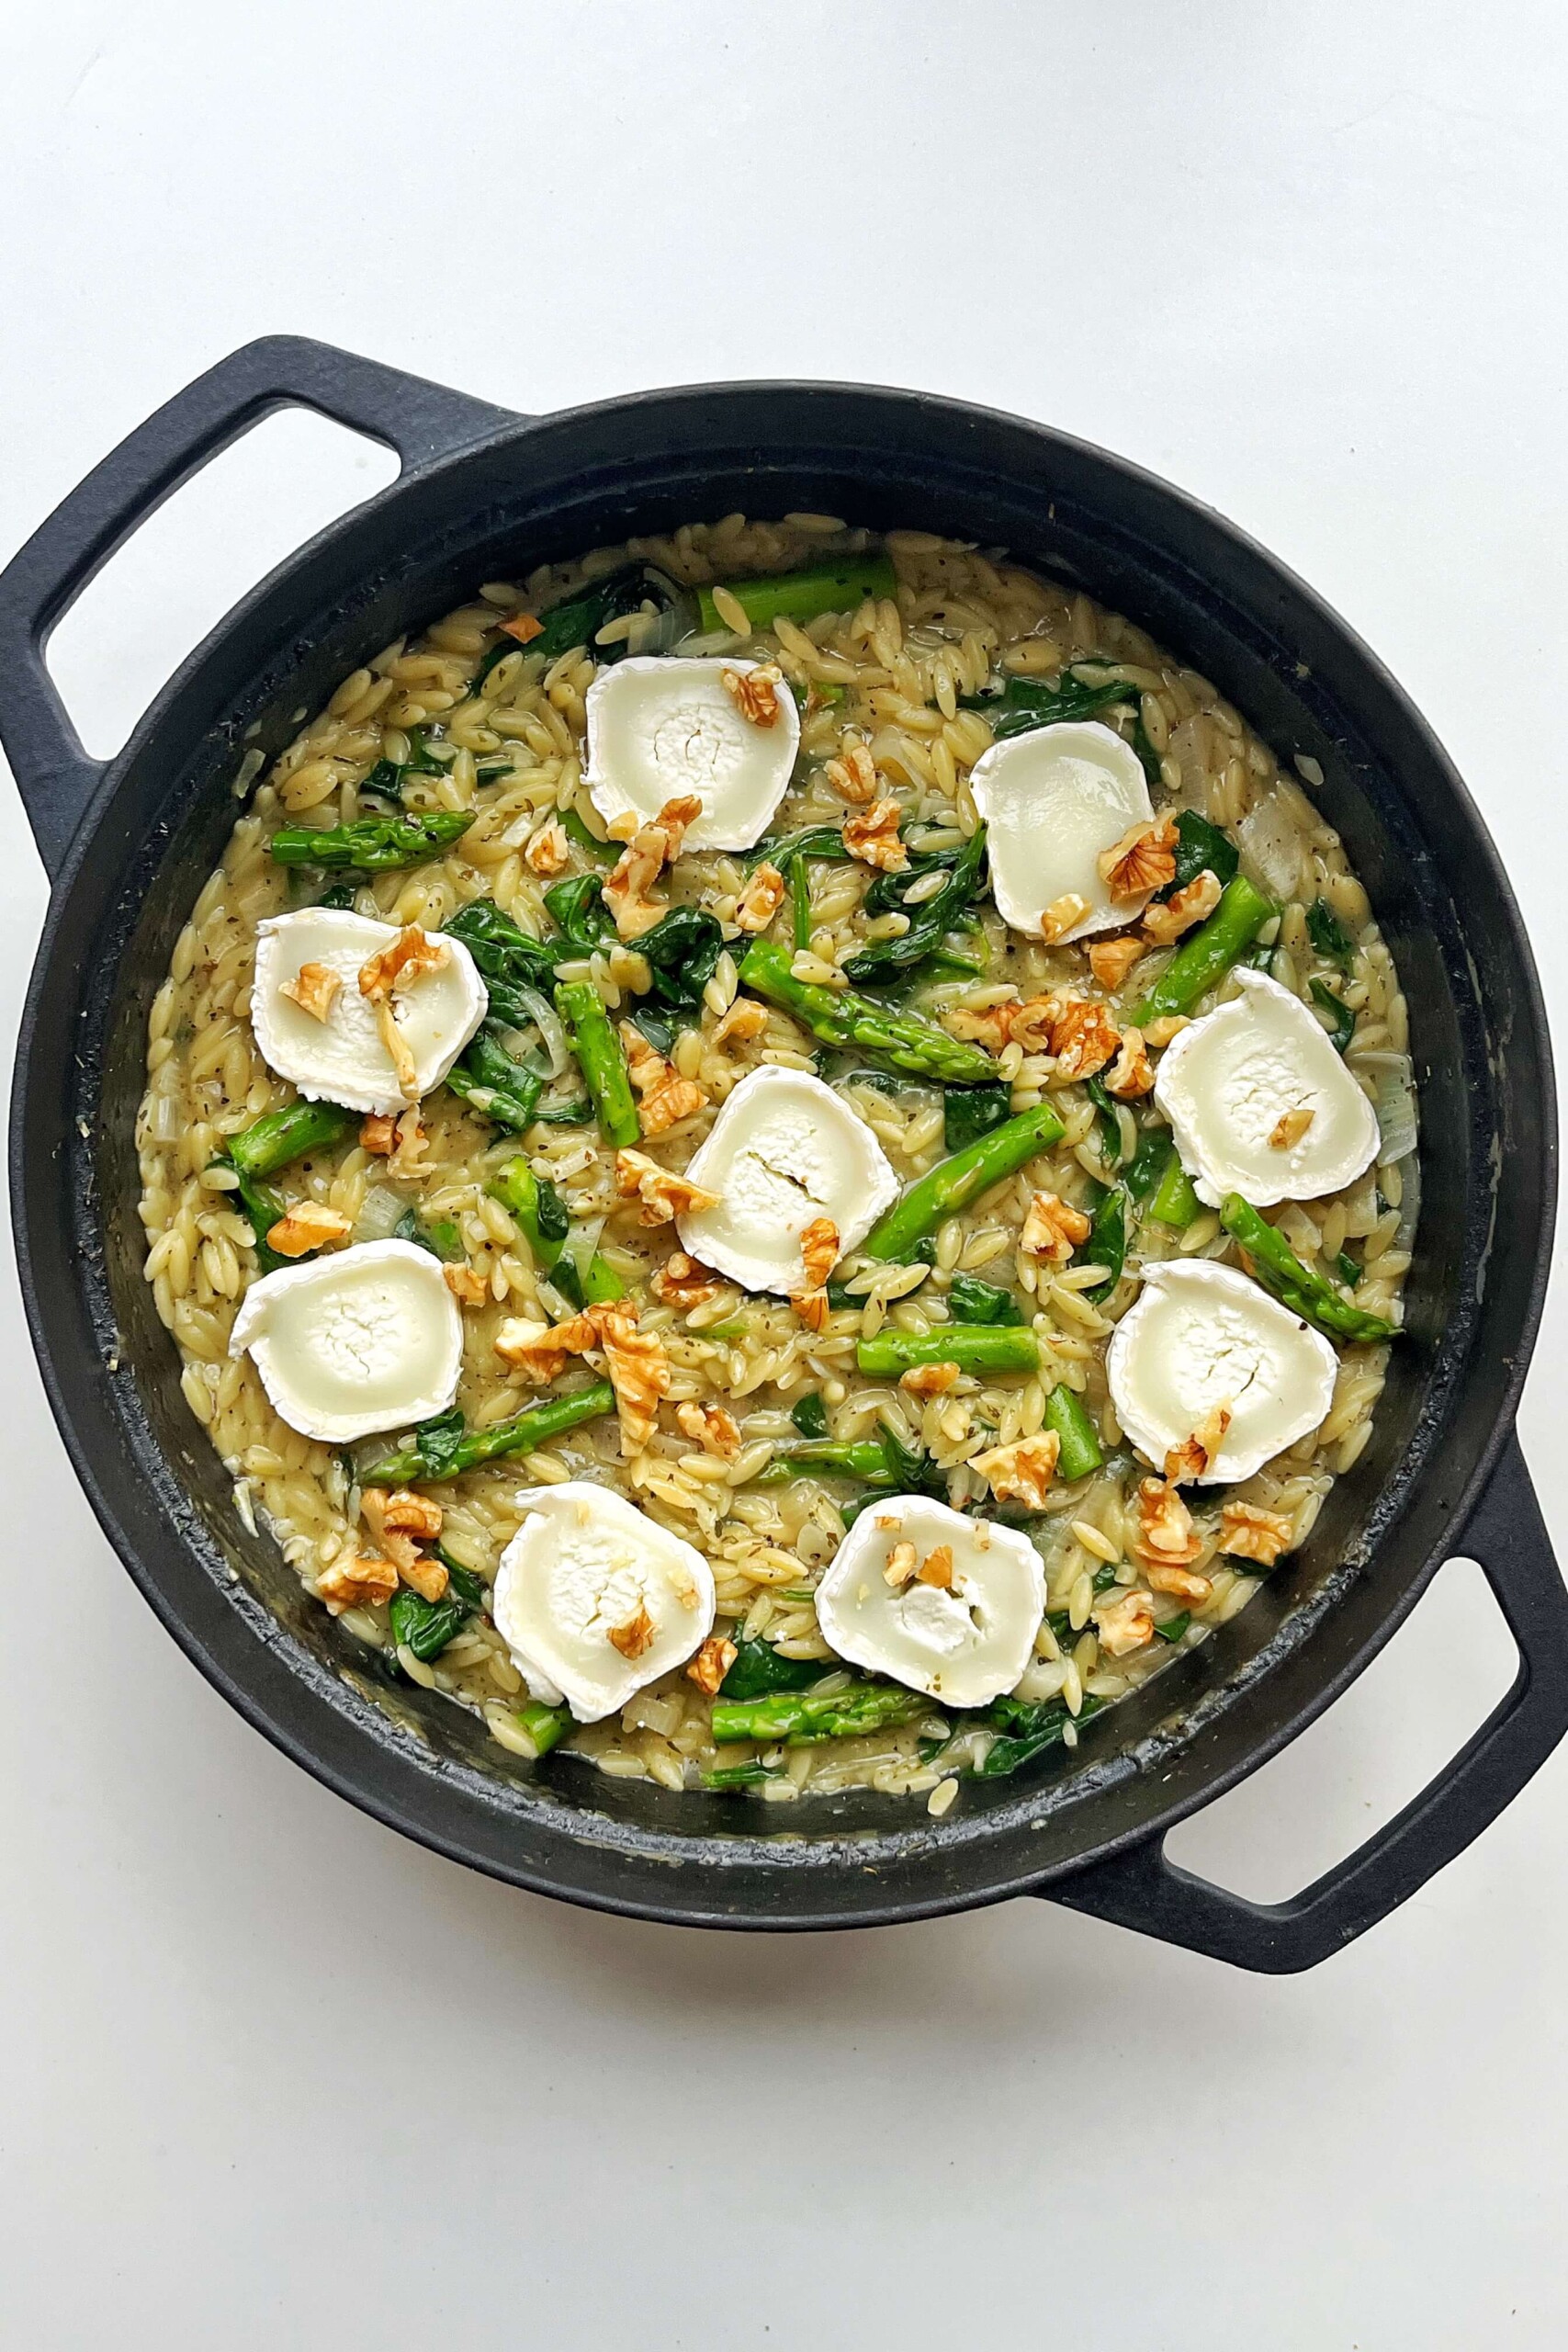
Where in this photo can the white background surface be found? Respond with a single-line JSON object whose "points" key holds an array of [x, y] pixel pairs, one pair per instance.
{"points": [[270, 2076]]}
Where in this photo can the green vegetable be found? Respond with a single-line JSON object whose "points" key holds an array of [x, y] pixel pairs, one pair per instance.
{"points": [[546, 1726], [1110, 1120], [578, 834], [578, 1113], [1147, 1164], [1306, 1293], [757, 1670], [1081, 1450], [1200, 848], [1175, 1202], [1174, 1627], [372, 844], [970, 1300], [972, 1346], [263, 1208], [1025, 704], [930, 922], [838, 1017], [1146, 751], [340, 898], [426, 1626], [580, 617], [819, 841], [1034, 1729], [533, 1201], [682, 949], [593, 1283], [801, 1718], [741, 1776], [1344, 1266], [1338, 1011], [865, 1458], [495, 1086], [578, 910], [972, 1111], [278, 1137], [508, 959], [809, 1415], [840, 587], [799, 903], [603, 1060], [389, 778], [1328, 934], [443, 1239], [954, 1183], [441, 1450], [1107, 1243], [1201, 961]]}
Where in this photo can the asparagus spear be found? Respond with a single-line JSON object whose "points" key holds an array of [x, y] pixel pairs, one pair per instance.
{"points": [[800, 1718], [1080, 1451], [603, 1058], [840, 1018], [263, 1208], [864, 1458], [954, 1183], [1202, 961], [535, 1426], [973, 1347], [546, 1726], [1306, 1293], [372, 844], [279, 1136], [740, 1776], [838, 587], [1175, 1201]]}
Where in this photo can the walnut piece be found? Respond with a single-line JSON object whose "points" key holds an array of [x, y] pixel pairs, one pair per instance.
{"points": [[1288, 1130], [755, 693], [398, 1052], [524, 627], [412, 952], [1168, 918], [819, 1250], [306, 1226], [852, 776], [1166, 1533], [712, 1427], [1111, 960], [682, 1283], [1192, 1457], [549, 852], [539, 1351], [1183, 1584], [760, 900], [930, 1379], [1143, 860], [667, 1099], [1159, 1034], [872, 835], [1133, 1073], [356, 1583], [312, 988], [1021, 1472], [636, 1636], [1123, 1622], [664, 1196], [1249, 1533], [746, 1019], [409, 1164], [651, 848], [936, 1569], [712, 1663], [899, 1570], [638, 1368], [1053, 1229], [1063, 914], [1083, 1037], [378, 1134], [467, 1284]]}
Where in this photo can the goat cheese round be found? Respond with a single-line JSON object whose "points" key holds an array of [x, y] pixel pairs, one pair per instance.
{"points": [[1201, 1336], [660, 727], [367, 1338], [947, 1604], [594, 1599], [341, 1057], [1261, 1104], [784, 1151], [1051, 802]]}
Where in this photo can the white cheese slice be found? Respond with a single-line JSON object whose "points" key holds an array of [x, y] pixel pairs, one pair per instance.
{"points": [[367, 1338], [586, 1565], [1226, 1082], [1201, 1336], [658, 727], [1051, 801], [342, 1058], [963, 1646], [784, 1151]]}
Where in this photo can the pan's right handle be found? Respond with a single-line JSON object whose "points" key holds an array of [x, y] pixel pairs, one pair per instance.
{"points": [[420, 421], [1140, 1888]]}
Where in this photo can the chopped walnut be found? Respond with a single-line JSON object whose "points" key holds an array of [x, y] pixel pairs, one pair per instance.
{"points": [[755, 693], [873, 837], [1123, 1622], [1182, 1584], [902, 1562], [1111, 960], [1193, 1456], [1063, 914], [930, 1379], [467, 1284], [356, 1583], [760, 900], [1166, 1533], [1143, 860], [651, 848], [398, 1051], [1157, 1034], [1021, 1472], [936, 1569], [646, 1065], [1053, 1229], [819, 1250], [1133, 1073], [712, 1663], [664, 1196], [409, 1162], [667, 1099], [636, 1636], [1083, 1037], [1249, 1533], [306, 1226], [426, 1576], [680, 1283], [746, 1019], [991, 1025], [1032, 1023], [539, 1351], [549, 852], [524, 627], [312, 988], [378, 1134], [852, 776], [638, 1368], [1288, 1130], [712, 1427], [412, 952], [1168, 919]]}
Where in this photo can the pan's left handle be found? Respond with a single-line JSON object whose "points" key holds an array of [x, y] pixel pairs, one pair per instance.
{"points": [[420, 421]]}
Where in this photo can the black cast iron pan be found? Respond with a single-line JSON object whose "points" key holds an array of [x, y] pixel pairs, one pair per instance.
{"points": [[484, 493]]}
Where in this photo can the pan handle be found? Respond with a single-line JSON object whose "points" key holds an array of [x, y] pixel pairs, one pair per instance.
{"points": [[420, 421], [1140, 1888]]}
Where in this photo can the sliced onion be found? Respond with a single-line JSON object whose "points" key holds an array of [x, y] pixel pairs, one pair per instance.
{"points": [[1396, 1105], [552, 1036], [166, 1124], [1271, 844], [378, 1214]]}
